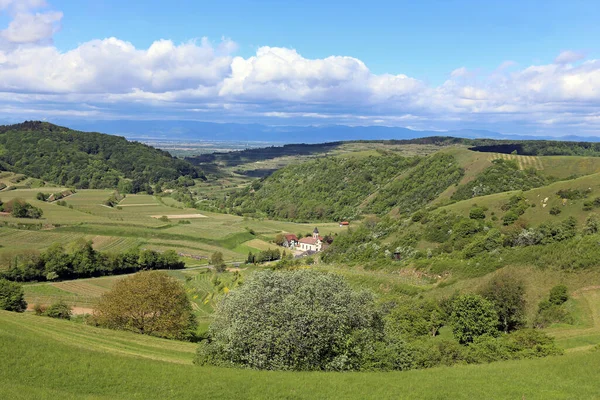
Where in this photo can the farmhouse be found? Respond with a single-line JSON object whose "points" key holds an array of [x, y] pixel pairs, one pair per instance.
{"points": [[290, 241], [313, 243], [344, 223]]}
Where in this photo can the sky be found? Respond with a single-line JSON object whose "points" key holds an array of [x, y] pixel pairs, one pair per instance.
{"points": [[526, 67]]}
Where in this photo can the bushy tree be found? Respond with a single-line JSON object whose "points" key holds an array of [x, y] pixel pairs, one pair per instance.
{"points": [[592, 224], [559, 294], [473, 316], [555, 210], [148, 302], [59, 310], [19, 208], [279, 239], [217, 262], [412, 318], [507, 293], [477, 213], [57, 261], [296, 320], [12, 296]]}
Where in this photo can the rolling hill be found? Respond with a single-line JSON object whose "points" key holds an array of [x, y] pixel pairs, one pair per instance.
{"points": [[86, 160], [353, 184]]}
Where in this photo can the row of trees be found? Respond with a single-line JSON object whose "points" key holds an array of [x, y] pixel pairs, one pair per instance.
{"points": [[82, 261], [265, 256]]}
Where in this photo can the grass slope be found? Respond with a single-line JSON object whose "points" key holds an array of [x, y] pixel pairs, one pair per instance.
{"points": [[43, 358], [538, 214]]}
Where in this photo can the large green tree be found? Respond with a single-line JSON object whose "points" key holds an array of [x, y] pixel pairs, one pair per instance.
{"points": [[292, 320], [473, 316], [507, 293], [148, 302]]}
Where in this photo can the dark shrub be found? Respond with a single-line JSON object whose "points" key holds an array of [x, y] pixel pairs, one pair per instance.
{"points": [[12, 296], [59, 310]]}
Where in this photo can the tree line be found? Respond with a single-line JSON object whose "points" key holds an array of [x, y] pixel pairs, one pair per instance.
{"points": [[81, 260]]}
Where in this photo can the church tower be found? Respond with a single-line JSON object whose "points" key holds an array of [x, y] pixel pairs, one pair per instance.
{"points": [[316, 234]]}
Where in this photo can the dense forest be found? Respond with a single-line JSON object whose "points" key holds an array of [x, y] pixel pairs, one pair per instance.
{"points": [[537, 147], [340, 188], [420, 186], [86, 160], [324, 189]]}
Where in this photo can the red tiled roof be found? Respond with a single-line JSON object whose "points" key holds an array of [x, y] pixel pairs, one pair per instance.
{"points": [[344, 223], [308, 240], [291, 237]]}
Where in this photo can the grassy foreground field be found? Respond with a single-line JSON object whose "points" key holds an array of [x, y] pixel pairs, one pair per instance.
{"points": [[44, 358]]}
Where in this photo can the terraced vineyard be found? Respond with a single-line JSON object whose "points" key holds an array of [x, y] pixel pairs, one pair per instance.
{"points": [[524, 162]]}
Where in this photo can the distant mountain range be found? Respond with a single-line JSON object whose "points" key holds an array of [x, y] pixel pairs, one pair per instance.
{"points": [[193, 130]]}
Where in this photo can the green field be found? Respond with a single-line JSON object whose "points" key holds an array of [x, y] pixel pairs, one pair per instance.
{"points": [[45, 358], [135, 225]]}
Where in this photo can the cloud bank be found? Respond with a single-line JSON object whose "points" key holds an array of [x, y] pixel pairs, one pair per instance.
{"points": [[199, 79]]}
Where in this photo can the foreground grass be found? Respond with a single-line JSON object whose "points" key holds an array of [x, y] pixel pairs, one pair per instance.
{"points": [[43, 358]]}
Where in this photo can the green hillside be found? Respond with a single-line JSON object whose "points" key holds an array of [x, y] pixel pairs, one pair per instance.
{"points": [[502, 176], [323, 189], [390, 179], [45, 358], [85, 160]]}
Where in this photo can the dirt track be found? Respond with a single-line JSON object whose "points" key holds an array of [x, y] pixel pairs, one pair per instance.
{"points": [[181, 216]]}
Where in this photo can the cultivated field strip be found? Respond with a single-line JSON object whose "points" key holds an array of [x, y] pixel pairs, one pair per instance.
{"points": [[524, 162], [82, 288], [34, 239], [117, 244]]}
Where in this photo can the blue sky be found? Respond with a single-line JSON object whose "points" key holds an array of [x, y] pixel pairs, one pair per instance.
{"points": [[518, 66], [425, 39]]}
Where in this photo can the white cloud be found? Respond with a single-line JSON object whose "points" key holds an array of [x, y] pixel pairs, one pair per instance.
{"points": [[21, 5], [113, 77], [32, 28], [569, 57], [28, 26], [112, 66], [459, 72]]}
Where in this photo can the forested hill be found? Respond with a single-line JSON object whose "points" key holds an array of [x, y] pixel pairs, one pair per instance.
{"points": [[86, 160], [344, 187], [330, 188]]}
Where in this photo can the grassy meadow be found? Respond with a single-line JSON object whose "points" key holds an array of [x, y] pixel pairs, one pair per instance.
{"points": [[102, 364]]}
